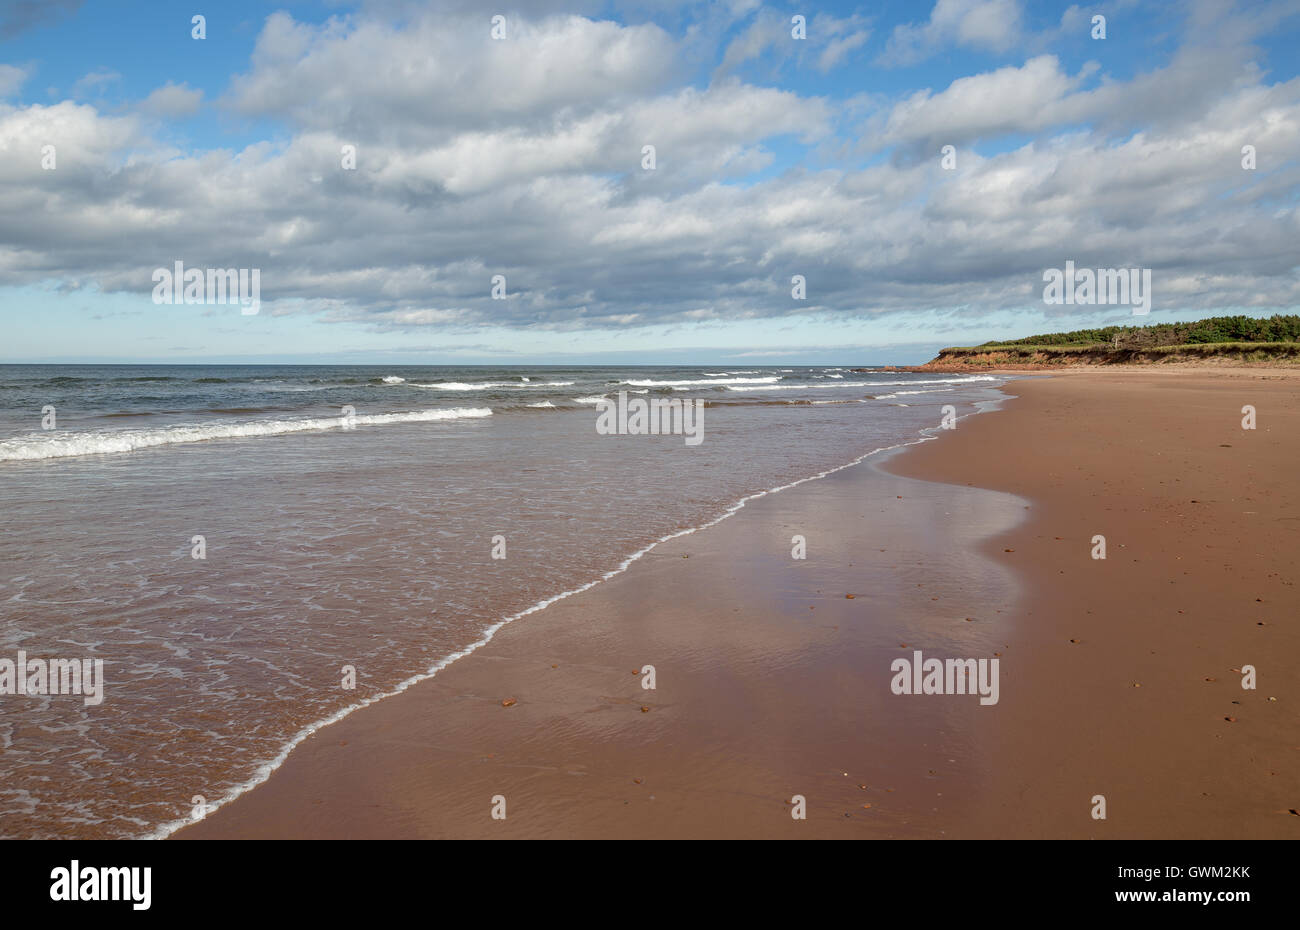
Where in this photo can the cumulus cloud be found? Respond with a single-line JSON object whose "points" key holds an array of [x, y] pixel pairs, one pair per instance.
{"points": [[840, 47], [12, 79], [829, 41], [95, 82], [1040, 96], [173, 100], [1011, 99], [765, 32], [17, 16], [541, 181], [992, 25], [438, 74]]}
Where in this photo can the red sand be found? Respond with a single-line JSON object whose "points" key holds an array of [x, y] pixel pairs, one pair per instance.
{"points": [[772, 683]]}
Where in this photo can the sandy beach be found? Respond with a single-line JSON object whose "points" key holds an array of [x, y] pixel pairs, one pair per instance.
{"points": [[1118, 677]]}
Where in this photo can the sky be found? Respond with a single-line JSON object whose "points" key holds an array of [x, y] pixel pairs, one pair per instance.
{"points": [[382, 165]]}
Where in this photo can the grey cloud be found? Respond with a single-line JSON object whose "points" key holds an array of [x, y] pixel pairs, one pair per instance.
{"points": [[11, 79], [985, 24], [173, 100], [440, 74], [18, 16], [549, 192]]}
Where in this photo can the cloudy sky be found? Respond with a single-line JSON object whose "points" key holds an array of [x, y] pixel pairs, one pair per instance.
{"points": [[522, 156]]}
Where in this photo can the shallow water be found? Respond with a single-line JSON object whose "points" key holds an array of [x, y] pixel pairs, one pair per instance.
{"points": [[368, 546]]}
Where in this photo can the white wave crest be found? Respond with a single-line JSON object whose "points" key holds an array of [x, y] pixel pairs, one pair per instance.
{"points": [[770, 380], [844, 384], [62, 444], [462, 386], [486, 385]]}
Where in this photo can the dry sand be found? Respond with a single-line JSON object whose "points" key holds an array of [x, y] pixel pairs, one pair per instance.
{"points": [[772, 683]]}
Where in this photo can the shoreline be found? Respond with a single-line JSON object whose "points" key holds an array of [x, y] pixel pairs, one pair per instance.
{"points": [[266, 770], [426, 762]]}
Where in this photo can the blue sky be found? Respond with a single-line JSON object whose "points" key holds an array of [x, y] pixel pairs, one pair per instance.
{"points": [[521, 156]]}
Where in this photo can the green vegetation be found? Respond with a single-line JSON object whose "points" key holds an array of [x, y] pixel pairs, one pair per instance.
{"points": [[1215, 330], [1257, 350]]}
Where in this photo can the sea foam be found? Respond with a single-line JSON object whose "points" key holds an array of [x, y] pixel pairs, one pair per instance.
{"points": [[64, 443]]}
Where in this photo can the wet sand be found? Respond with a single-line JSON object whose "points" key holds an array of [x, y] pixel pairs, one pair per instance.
{"points": [[772, 683], [1202, 526]]}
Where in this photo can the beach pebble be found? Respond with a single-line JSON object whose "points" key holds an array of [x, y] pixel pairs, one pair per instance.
{"points": [[509, 702]]}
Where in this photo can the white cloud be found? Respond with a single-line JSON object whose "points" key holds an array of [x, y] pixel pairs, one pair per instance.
{"points": [[454, 184], [443, 73], [95, 82], [837, 49], [1007, 100], [173, 100], [11, 80], [992, 25]]}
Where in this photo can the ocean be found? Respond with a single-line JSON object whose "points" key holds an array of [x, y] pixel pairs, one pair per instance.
{"points": [[230, 541]]}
